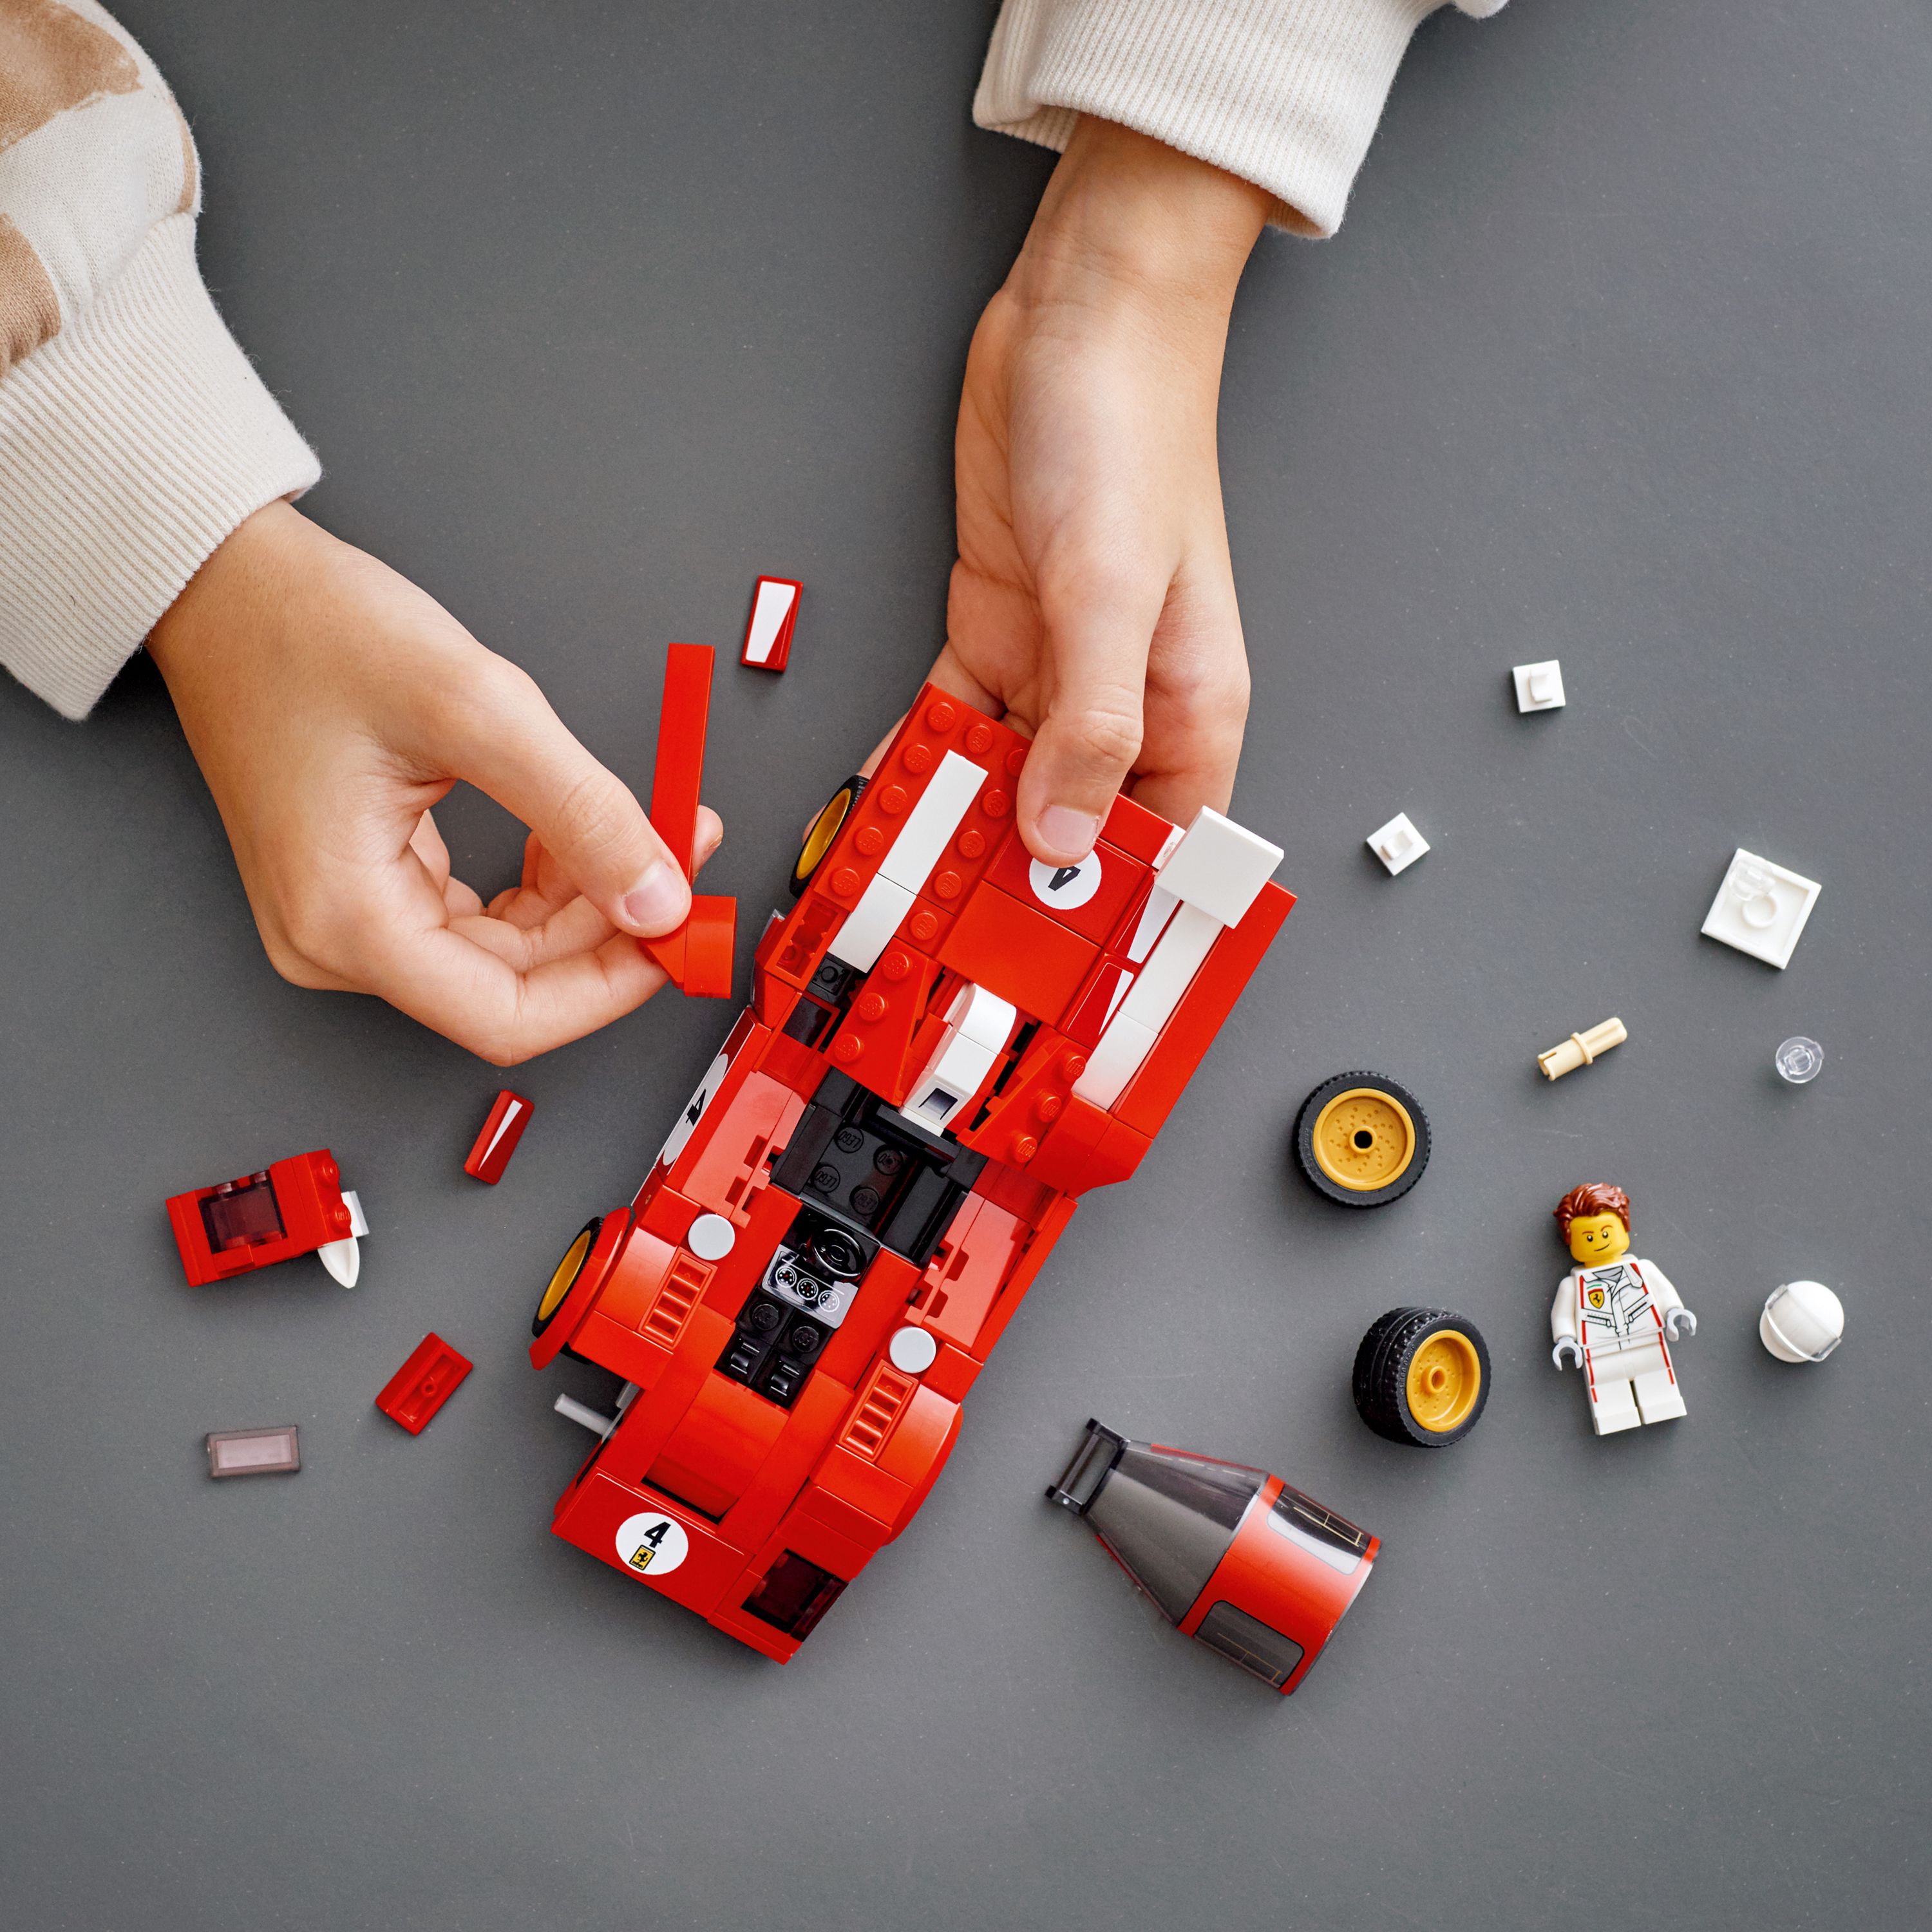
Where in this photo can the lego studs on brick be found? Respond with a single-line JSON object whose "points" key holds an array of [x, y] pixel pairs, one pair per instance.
{"points": [[1362, 1139], [1230, 1556], [1422, 1377], [1802, 1321]]}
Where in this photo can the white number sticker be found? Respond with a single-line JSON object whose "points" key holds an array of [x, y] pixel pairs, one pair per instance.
{"points": [[651, 1545], [1064, 887], [688, 1121]]}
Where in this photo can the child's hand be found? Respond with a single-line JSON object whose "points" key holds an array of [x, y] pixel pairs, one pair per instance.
{"points": [[330, 703], [1093, 568]]}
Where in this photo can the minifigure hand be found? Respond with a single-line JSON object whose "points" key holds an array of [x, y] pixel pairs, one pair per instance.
{"points": [[1092, 602], [1576, 1352], [1678, 1323], [330, 703]]}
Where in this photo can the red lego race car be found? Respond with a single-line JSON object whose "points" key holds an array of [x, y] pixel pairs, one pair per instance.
{"points": [[949, 1043]]}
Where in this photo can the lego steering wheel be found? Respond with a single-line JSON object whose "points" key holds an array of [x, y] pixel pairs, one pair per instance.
{"points": [[1362, 1139]]}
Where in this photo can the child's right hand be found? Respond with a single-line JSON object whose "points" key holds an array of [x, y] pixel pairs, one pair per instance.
{"points": [[330, 704]]}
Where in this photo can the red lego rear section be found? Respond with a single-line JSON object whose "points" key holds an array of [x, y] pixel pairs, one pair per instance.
{"points": [[291, 1208], [814, 1272]]}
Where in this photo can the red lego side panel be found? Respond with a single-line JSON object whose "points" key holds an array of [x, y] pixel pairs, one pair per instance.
{"points": [[501, 1131], [420, 1387], [291, 1208]]}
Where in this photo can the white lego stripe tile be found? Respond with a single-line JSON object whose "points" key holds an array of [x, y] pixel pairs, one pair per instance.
{"points": [[1164, 980], [503, 1127], [768, 617], [932, 821], [1219, 866], [870, 924], [979, 1024], [983, 1016], [1114, 1062], [1153, 918]]}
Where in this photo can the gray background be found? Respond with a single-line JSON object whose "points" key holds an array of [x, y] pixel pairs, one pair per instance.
{"points": [[595, 311]]}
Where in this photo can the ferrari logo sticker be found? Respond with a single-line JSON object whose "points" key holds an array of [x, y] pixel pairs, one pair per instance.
{"points": [[1596, 1298]]}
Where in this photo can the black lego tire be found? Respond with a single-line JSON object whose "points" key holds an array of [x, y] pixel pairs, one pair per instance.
{"points": [[823, 832], [1389, 1101], [1397, 1346]]}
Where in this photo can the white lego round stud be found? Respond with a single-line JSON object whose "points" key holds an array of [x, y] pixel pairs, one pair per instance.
{"points": [[913, 1350], [1802, 1321], [712, 1237], [1798, 1059]]}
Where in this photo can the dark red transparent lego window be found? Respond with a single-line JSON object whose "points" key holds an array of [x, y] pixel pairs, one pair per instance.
{"points": [[795, 1595], [241, 1214]]}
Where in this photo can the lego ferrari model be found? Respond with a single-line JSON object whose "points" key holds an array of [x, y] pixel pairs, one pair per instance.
{"points": [[949, 1043]]}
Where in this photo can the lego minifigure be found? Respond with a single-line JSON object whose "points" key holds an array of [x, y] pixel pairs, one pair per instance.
{"points": [[1617, 1317]]}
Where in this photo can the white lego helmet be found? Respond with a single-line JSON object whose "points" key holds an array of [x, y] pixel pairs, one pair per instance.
{"points": [[1802, 1321]]}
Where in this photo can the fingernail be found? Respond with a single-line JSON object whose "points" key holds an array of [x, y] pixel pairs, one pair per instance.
{"points": [[656, 903], [1068, 832]]}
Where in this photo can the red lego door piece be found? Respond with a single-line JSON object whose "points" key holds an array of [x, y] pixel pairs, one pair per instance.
{"points": [[292, 1207], [768, 629], [420, 1387], [501, 1131]]}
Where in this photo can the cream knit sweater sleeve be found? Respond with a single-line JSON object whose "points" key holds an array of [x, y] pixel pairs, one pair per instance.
{"points": [[1284, 93], [134, 435]]}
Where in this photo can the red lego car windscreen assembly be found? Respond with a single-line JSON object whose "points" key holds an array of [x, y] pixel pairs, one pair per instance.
{"points": [[949, 1043]]}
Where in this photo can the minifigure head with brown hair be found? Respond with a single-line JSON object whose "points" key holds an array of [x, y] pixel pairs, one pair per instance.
{"points": [[1594, 1220]]}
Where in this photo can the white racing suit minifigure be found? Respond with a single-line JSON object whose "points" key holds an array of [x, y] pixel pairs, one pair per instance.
{"points": [[1618, 1320]]}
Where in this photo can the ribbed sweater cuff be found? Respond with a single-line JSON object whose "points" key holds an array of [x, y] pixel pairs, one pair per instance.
{"points": [[129, 449], [1286, 96]]}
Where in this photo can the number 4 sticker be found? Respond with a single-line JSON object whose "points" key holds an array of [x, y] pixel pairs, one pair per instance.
{"points": [[1064, 887], [654, 1545]]}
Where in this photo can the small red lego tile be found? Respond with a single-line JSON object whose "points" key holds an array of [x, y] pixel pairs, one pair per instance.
{"points": [[1091, 898], [420, 1387], [502, 1129], [775, 602], [1191, 1027], [1138, 832], [1022, 955]]}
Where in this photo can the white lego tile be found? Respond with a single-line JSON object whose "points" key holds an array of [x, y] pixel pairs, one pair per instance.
{"points": [[1539, 687], [768, 616], [1219, 866], [1761, 908], [870, 923], [1398, 845], [1153, 922], [1171, 968], [1114, 1062], [941, 1094], [983, 1017], [931, 823]]}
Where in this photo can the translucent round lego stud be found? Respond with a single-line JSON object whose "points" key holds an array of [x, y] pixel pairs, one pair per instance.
{"points": [[1798, 1059], [1802, 1321]]}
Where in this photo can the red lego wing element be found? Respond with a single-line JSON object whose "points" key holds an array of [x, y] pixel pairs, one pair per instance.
{"points": [[420, 1387], [768, 629], [291, 1208], [501, 1131]]}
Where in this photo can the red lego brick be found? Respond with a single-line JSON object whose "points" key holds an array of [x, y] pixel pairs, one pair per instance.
{"points": [[875, 1043], [680, 762], [1138, 832], [1070, 1158], [420, 1387], [927, 925], [1034, 1096], [291, 1208], [1191, 1027], [708, 1460], [776, 1484], [502, 1129], [1022, 955], [955, 1305], [1091, 898], [775, 602], [1052, 1225]]}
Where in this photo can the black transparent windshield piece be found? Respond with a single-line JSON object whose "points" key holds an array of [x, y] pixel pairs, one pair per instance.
{"points": [[795, 1595], [241, 1214], [1313, 1518], [1259, 1649]]}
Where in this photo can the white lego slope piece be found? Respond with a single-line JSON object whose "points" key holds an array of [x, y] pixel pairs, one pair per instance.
{"points": [[1761, 908], [1154, 916], [870, 924], [1150, 1001], [1539, 687], [978, 1025], [1219, 866], [931, 823], [1397, 844], [768, 616]]}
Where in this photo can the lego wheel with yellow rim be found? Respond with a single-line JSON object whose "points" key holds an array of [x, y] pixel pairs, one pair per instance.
{"points": [[1362, 1139], [822, 831], [1422, 1377]]}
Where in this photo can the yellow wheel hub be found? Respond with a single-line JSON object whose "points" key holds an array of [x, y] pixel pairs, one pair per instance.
{"points": [[567, 1272], [1445, 1377], [824, 830], [1363, 1139]]}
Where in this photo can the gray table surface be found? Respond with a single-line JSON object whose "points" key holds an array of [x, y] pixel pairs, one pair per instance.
{"points": [[596, 311]]}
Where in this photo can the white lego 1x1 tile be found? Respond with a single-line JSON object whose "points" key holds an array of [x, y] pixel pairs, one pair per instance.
{"points": [[1219, 866], [1539, 687], [931, 823], [1761, 908], [873, 921], [1398, 845]]}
